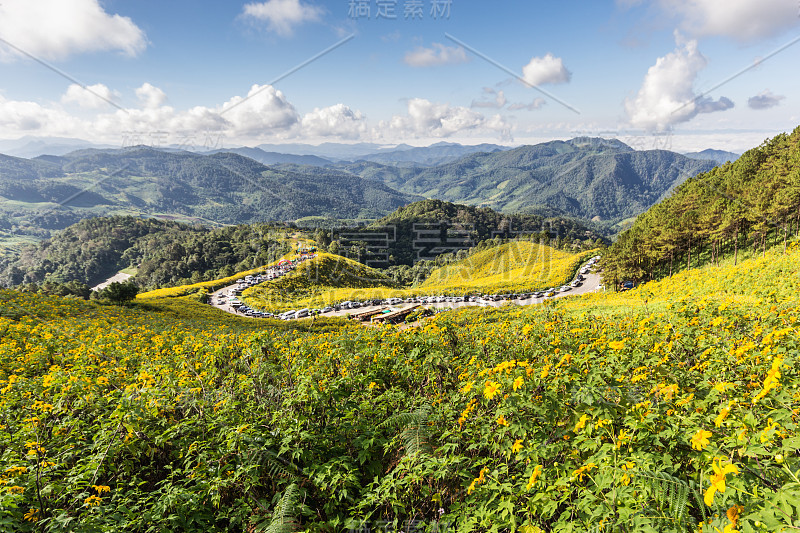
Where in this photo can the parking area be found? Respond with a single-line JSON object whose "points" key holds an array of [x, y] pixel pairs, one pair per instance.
{"points": [[226, 299]]}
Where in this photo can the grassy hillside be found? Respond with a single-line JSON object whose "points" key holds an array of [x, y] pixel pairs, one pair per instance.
{"points": [[512, 267], [653, 417], [317, 282], [457, 223]]}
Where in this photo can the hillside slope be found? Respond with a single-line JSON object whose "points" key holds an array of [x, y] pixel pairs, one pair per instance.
{"points": [[750, 203], [512, 267]]}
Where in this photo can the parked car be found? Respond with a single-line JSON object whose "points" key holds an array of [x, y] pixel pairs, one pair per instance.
{"points": [[626, 286]]}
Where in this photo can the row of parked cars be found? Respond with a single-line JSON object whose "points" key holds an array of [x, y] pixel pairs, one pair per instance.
{"points": [[479, 299]]}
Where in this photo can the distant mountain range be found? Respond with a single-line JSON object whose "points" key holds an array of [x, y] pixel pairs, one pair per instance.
{"points": [[274, 158], [718, 156], [597, 179], [51, 192], [590, 178]]}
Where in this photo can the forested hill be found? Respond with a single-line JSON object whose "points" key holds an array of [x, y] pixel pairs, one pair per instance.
{"points": [[429, 228], [225, 188], [164, 253], [753, 202], [583, 177]]}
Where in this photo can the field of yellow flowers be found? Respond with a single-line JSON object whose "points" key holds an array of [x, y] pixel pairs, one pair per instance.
{"points": [[516, 266], [668, 408]]}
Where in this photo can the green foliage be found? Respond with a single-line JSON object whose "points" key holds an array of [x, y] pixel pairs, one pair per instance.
{"points": [[753, 202], [164, 253], [119, 293], [170, 416]]}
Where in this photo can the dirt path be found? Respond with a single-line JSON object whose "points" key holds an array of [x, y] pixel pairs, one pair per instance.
{"points": [[118, 277]]}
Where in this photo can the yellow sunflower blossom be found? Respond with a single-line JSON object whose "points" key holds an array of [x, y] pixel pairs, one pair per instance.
{"points": [[518, 383], [517, 447], [501, 421], [93, 501], [583, 471], [616, 345], [491, 389], [700, 439], [723, 414], [477, 481]]}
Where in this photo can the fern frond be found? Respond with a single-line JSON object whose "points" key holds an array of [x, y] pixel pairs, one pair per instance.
{"points": [[284, 519], [415, 435]]}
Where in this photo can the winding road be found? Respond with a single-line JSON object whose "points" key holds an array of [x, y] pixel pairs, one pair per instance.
{"points": [[592, 283]]}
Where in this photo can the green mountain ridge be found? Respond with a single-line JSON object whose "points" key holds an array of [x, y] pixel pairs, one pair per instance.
{"points": [[584, 177], [225, 188]]}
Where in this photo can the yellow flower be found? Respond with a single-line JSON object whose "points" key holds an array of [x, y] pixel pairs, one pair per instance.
{"points": [[32, 515], [700, 439], [372, 385], [581, 423], [101, 488], [466, 388], [477, 481], [733, 515], [93, 501], [517, 447], [582, 471], [545, 372], [534, 476], [518, 383], [622, 438], [616, 345], [626, 479], [501, 421], [491, 389], [717, 479], [723, 414]]}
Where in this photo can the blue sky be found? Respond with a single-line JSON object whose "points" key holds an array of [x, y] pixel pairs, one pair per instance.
{"points": [[635, 69]]}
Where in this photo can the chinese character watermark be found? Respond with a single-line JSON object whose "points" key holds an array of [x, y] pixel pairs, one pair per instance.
{"points": [[389, 9]]}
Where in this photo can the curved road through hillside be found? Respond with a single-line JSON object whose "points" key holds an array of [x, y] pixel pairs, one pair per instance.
{"points": [[592, 283]]}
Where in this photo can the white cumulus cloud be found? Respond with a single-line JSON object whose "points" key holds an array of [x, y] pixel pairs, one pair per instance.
{"points": [[667, 95], [91, 97], [334, 121], [764, 100], [282, 16], [426, 119], [742, 20], [150, 96], [547, 69], [437, 54], [265, 109], [56, 29]]}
